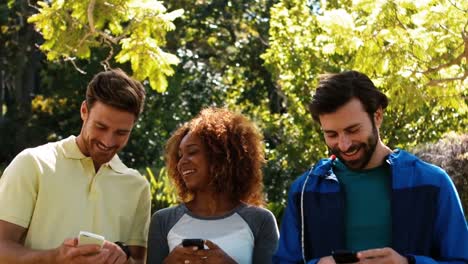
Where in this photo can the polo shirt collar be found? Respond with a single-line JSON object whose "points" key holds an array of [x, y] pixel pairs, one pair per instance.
{"points": [[117, 165], [72, 151]]}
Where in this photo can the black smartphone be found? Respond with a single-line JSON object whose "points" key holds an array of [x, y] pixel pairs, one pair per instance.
{"points": [[193, 242], [345, 256]]}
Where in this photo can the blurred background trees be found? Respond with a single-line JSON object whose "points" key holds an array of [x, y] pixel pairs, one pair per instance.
{"points": [[450, 153], [259, 57]]}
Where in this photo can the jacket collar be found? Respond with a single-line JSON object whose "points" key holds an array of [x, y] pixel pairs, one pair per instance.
{"points": [[324, 167]]}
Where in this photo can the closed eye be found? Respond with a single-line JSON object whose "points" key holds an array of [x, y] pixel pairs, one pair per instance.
{"points": [[123, 133], [100, 126], [353, 129], [189, 152], [192, 151]]}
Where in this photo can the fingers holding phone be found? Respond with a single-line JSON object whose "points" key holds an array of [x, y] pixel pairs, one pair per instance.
{"points": [[382, 255], [107, 252], [194, 242], [185, 252], [197, 250], [327, 260], [371, 256], [345, 256], [213, 254], [88, 238], [69, 251]]}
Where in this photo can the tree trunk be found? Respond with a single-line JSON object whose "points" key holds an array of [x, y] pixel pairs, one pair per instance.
{"points": [[18, 85]]}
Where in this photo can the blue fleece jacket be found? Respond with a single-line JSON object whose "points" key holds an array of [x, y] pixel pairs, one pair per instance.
{"points": [[427, 218]]}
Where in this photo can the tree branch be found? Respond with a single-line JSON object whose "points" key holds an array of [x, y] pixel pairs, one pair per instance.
{"points": [[83, 39], [105, 63], [455, 5], [90, 15], [92, 29], [438, 81], [395, 12], [455, 61], [72, 60]]}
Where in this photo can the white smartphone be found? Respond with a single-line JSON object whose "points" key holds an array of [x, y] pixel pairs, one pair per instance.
{"points": [[88, 238]]}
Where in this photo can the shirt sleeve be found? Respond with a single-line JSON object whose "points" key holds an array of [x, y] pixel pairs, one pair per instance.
{"points": [[266, 240], [158, 246], [139, 233], [451, 229], [19, 186]]}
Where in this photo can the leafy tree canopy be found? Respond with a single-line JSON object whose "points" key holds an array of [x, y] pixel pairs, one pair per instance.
{"points": [[415, 51], [417, 48], [137, 28]]}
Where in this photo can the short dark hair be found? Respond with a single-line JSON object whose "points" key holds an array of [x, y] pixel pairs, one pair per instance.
{"points": [[335, 90], [115, 88]]}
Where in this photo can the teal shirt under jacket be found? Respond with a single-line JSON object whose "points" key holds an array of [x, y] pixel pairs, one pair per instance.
{"points": [[426, 214]]}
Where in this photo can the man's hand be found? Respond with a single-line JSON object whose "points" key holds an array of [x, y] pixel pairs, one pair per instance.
{"points": [[381, 255], [69, 252], [373, 256], [12, 250], [115, 255], [327, 260]]}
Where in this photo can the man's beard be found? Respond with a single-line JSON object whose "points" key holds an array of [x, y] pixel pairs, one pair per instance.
{"points": [[368, 147], [94, 152]]}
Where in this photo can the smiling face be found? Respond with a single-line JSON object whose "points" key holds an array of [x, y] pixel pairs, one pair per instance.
{"points": [[351, 135], [105, 131], [193, 163]]}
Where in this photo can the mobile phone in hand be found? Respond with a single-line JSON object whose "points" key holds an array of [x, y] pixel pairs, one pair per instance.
{"points": [[345, 256], [193, 242], [88, 238]]}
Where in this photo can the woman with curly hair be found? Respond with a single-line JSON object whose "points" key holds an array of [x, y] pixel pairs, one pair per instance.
{"points": [[215, 161]]}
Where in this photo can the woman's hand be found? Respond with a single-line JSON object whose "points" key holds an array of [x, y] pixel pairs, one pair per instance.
{"points": [[213, 255], [192, 255], [181, 255]]}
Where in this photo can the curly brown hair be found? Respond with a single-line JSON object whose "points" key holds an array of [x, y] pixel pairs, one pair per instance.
{"points": [[234, 147]]}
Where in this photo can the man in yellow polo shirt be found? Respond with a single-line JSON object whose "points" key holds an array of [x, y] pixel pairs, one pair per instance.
{"points": [[50, 193]]}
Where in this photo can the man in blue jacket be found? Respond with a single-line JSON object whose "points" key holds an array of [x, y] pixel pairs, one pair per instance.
{"points": [[388, 206]]}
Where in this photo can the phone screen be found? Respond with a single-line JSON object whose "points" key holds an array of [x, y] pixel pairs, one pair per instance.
{"points": [[193, 242], [345, 256]]}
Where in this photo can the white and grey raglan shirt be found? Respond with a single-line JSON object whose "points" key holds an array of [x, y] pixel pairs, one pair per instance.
{"points": [[248, 234]]}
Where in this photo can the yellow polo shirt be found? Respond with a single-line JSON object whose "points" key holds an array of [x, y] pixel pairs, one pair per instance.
{"points": [[54, 192]]}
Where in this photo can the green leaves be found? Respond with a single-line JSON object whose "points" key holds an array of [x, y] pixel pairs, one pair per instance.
{"points": [[148, 61], [163, 194], [414, 51], [261, 58], [71, 29]]}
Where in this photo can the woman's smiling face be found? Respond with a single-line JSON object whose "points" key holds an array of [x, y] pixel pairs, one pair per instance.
{"points": [[193, 164]]}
